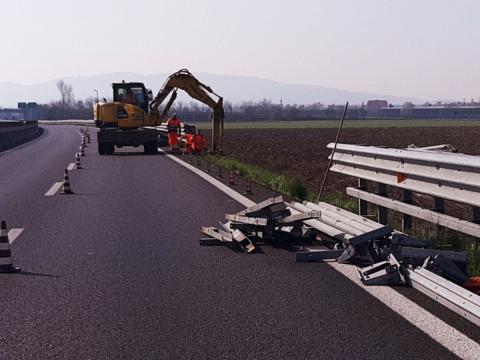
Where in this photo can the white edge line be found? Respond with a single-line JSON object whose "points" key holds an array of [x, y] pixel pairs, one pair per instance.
{"points": [[13, 234], [53, 190], [444, 334]]}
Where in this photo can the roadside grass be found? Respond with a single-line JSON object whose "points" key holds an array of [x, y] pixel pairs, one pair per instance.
{"points": [[441, 238], [349, 123]]}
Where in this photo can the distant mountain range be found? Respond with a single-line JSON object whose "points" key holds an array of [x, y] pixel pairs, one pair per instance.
{"points": [[235, 89]]}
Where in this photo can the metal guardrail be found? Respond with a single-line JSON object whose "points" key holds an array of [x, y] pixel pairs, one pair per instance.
{"points": [[463, 302], [432, 171], [440, 174]]}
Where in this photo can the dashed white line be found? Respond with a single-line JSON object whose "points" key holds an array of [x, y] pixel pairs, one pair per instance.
{"points": [[444, 334], [71, 166], [55, 187], [13, 234]]}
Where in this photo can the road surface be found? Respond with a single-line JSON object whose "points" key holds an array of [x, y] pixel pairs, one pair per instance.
{"points": [[116, 272]]}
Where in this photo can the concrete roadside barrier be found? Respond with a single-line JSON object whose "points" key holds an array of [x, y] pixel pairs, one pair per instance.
{"points": [[14, 133]]}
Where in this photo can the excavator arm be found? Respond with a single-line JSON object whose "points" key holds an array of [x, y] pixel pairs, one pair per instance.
{"points": [[184, 80]]}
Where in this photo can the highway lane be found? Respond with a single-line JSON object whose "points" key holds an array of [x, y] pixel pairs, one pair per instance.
{"points": [[116, 272], [27, 172]]}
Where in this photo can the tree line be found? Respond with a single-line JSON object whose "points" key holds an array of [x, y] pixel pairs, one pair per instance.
{"points": [[67, 107]]}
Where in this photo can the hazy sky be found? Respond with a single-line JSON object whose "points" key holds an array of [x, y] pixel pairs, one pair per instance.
{"points": [[423, 48]]}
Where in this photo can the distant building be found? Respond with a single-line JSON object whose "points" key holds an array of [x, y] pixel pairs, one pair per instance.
{"points": [[432, 112], [24, 111], [11, 114], [374, 106]]}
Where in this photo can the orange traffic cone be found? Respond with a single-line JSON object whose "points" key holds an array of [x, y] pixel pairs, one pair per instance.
{"points": [[248, 187], [78, 165], [66, 184], [6, 263]]}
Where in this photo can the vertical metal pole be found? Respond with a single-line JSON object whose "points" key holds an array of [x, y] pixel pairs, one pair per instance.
{"points": [[382, 213], [333, 152], [407, 219], [439, 205], [476, 214], [362, 204]]}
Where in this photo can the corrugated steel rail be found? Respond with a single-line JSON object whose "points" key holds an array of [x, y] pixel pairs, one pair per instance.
{"points": [[440, 174]]}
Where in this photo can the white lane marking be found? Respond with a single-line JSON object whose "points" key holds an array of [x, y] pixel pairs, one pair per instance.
{"points": [[444, 334], [13, 234], [219, 185], [71, 166], [55, 187]]}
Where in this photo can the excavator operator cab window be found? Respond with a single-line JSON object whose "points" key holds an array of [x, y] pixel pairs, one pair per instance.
{"points": [[131, 95], [120, 95]]}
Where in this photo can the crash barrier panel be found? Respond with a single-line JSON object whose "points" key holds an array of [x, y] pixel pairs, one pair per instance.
{"points": [[436, 171], [440, 174], [16, 133]]}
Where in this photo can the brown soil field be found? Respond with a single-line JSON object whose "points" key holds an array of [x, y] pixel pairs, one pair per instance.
{"points": [[303, 152]]}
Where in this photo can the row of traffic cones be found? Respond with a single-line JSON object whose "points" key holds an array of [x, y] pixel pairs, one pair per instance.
{"points": [[6, 259], [231, 177], [66, 189]]}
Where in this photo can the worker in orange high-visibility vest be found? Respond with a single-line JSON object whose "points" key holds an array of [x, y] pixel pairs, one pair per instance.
{"points": [[187, 139], [173, 128], [199, 142]]}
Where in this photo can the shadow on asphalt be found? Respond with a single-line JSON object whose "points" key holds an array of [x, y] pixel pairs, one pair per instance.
{"points": [[29, 273]]}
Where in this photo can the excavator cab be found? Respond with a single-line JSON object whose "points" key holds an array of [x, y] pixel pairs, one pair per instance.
{"points": [[133, 93]]}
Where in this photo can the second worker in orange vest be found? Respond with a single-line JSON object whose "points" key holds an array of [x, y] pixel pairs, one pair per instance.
{"points": [[173, 128], [199, 142]]}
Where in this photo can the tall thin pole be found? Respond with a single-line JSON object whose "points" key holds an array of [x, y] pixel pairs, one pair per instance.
{"points": [[333, 152]]}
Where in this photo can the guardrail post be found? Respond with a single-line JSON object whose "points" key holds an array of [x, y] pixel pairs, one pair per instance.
{"points": [[406, 219], [362, 204], [476, 215], [439, 205], [382, 212]]}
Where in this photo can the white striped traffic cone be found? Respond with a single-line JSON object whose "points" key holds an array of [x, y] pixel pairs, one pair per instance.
{"points": [[248, 187], [82, 150], [78, 165], [66, 184], [231, 178], [6, 262]]}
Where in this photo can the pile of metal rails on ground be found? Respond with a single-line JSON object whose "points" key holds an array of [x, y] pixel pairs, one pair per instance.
{"points": [[321, 232]]}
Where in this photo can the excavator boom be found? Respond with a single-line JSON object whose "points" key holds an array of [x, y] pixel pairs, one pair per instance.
{"points": [[184, 80]]}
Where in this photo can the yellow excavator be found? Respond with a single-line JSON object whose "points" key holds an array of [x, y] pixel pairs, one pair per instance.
{"points": [[134, 117]]}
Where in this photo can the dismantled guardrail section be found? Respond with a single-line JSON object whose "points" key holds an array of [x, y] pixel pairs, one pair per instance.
{"points": [[441, 173], [383, 256]]}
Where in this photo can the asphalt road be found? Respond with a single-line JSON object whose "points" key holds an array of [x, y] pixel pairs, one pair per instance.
{"points": [[115, 272]]}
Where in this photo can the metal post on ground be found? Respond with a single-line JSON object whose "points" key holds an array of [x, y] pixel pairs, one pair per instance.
{"points": [[333, 152], [382, 213], [406, 219], [362, 204]]}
